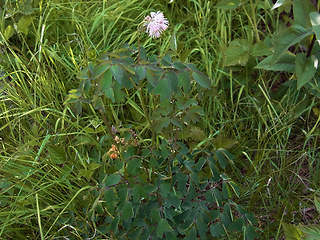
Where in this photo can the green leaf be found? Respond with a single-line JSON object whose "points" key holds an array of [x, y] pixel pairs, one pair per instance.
{"points": [[315, 22], [192, 235], [217, 229], [141, 72], [134, 166], [201, 79], [119, 74], [237, 53], [286, 63], [109, 200], [110, 94], [112, 179], [155, 215], [310, 232], [184, 80], [24, 22], [173, 42], [100, 69], [8, 32], [98, 103], [162, 228], [291, 232], [305, 69], [260, 49], [288, 38], [114, 225], [163, 88], [301, 11], [106, 81], [159, 124], [228, 4], [165, 189], [251, 233], [57, 154], [173, 80], [221, 159], [127, 211]]}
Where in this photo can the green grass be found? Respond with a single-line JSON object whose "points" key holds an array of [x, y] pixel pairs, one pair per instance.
{"points": [[43, 146]]}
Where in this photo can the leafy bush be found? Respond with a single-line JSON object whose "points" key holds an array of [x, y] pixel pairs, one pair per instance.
{"points": [[162, 189]]}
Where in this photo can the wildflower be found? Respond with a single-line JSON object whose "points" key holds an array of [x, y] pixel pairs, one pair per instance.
{"points": [[113, 152], [156, 23]]}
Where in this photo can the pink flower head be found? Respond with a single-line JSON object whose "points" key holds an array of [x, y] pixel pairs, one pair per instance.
{"points": [[156, 23]]}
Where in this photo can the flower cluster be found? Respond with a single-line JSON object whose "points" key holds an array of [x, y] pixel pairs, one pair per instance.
{"points": [[156, 23], [113, 152]]}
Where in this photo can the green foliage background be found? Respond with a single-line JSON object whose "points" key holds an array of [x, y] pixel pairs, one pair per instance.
{"points": [[247, 148]]}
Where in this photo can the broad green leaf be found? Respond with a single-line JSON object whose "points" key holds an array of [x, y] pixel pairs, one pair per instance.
{"points": [[134, 166], [114, 225], [221, 159], [237, 225], [164, 89], [112, 179], [173, 80], [127, 211], [288, 38], [151, 77], [301, 11], [162, 228], [83, 74], [251, 233], [237, 53], [291, 232], [226, 190], [8, 32], [100, 69], [106, 81], [141, 72], [228, 4], [217, 229], [24, 22], [201, 226], [165, 189], [286, 63], [98, 103], [197, 134], [184, 80], [260, 49], [109, 200], [201, 79], [305, 69], [315, 22], [110, 94], [166, 61], [119, 73], [57, 154], [158, 125], [155, 215], [138, 193], [179, 66], [192, 235]]}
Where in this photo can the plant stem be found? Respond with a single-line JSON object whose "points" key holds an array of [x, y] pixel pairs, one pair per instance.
{"points": [[311, 45], [107, 124]]}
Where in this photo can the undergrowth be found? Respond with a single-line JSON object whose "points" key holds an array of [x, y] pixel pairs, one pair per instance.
{"points": [[52, 156]]}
